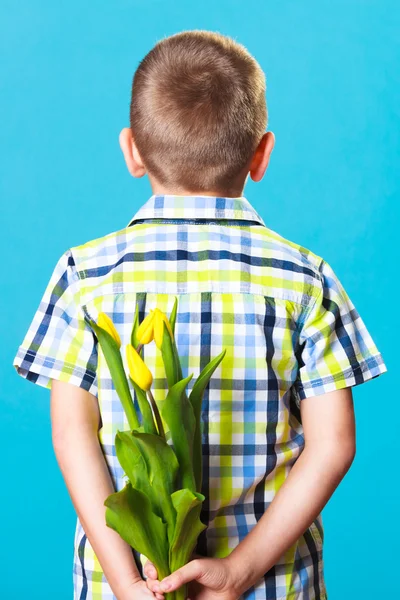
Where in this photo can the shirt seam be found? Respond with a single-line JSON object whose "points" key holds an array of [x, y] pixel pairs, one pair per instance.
{"points": [[251, 223], [120, 290], [211, 213], [311, 305], [80, 279]]}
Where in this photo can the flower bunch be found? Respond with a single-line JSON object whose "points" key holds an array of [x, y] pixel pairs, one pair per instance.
{"points": [[158, 511]]}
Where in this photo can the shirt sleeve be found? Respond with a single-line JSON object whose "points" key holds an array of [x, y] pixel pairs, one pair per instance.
{"points": [[335, 348], [59, 343]]}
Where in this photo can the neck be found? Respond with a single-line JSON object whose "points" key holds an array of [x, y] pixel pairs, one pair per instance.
{"points": [[177, 192], [160, 190]]}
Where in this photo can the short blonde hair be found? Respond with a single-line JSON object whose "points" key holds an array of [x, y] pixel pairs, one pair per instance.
{"points": [[198, 110]]}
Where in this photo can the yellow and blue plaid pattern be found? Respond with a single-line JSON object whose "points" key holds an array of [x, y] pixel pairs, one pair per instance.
{"points": [[290, 331]]}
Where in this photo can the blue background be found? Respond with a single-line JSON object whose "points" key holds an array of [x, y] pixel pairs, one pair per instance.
{"points": [[334, 99]]}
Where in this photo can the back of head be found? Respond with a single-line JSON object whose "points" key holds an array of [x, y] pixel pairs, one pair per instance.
{"points": [[198, 111]]}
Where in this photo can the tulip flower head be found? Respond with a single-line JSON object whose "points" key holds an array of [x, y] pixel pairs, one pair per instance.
{"points": [[152, 328], [106, 323], [145, 332], [138, 370]]}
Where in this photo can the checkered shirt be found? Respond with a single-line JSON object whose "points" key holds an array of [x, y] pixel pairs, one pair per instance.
{"points": [[290, 332]]}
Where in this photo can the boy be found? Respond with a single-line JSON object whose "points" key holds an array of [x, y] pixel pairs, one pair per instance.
{"points": [[278, 417]]}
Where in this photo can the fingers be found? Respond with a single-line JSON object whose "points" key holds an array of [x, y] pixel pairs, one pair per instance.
{"points": [[153, 585], [192, 570], [151, 573], [149, 570]]}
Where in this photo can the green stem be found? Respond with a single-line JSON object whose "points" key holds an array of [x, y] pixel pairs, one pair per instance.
{"points": [[154, 406], [181, 593], [161, 575], [112, 354]]}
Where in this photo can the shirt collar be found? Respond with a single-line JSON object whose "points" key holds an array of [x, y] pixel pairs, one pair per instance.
{"points": [[191, 207]]}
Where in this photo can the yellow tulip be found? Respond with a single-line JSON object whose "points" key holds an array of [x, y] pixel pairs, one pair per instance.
{"points": [[159, 319], [145, 330], [138, 370], [106, 323]]}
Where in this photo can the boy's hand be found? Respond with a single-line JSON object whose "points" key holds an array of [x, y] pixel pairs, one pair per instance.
{"points": [[208, 579], [139, 591]]}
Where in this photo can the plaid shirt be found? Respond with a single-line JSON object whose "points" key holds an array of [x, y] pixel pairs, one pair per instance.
{"points": [[290, 332]]}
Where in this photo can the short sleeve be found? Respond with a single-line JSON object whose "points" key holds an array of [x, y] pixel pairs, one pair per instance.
{"points": [[335, 348], [59, 343]]}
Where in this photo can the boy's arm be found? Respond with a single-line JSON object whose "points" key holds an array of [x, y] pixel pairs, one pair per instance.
{"points": [[75, 422], [329, 433]]}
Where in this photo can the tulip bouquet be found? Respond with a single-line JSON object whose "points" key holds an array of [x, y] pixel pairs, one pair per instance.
{"points": [[158, 511]]}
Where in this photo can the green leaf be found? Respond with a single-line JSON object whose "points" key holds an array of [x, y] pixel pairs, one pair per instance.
{"points": [[169, 351], [162, 469], [172, 316], [135, 326], [178, 368], [195, 398], [132, 461], [170, 358], [145, 409], [188, 526], [129, 514], [113, 358], [174, 350], [179, 416]]}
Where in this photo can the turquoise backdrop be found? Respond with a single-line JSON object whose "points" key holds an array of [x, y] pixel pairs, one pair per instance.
{"points": [[334, 100]]}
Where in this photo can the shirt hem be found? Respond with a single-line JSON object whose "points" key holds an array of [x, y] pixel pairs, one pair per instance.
{"points": [[55, 369], [369, 368]]}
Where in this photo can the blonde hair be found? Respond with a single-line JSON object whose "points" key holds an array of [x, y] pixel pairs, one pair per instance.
{"points": [[198, 110]]}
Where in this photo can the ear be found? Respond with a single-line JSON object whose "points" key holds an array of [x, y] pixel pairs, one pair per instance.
{"points": [[131, 154], [261, 157]]}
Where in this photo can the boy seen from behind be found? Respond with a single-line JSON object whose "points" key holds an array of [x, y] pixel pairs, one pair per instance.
{"points": [[278, 419]]}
